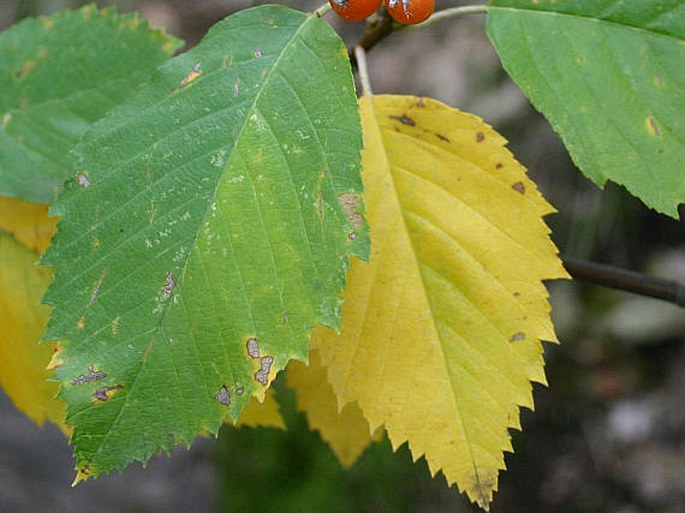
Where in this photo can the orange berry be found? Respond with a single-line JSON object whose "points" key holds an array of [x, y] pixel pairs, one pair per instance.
{"points": [[410, 12], [355, 10]]}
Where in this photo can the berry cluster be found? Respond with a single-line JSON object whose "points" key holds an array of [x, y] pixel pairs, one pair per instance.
{"points": [[407, 12]]}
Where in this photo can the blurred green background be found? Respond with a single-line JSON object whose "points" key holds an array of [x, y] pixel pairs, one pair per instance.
{"points": [[609, 432]]}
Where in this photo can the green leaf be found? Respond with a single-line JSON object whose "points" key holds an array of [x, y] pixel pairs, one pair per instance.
{"points": [[206, 233], [58, 75], [610, 78]]}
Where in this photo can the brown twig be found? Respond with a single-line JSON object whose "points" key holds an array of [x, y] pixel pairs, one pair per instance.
{"points": [[374, 33], [629, 281]]}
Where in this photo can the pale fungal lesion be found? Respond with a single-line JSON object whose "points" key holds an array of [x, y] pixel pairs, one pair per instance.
{"points": [[93, 375], [83, 181], [350, 203], [262, 375], [223, 396], [517, 337], [6, 118], [96, 290], [252, 347], [169, 284]]}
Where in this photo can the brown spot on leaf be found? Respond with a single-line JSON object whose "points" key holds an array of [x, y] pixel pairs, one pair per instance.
{"points": [[82, 474], [25, 69], [258, 53], [104, 393], [480, 137], [519, 187], [350, 203], [223, 396], [404, 119], [252, 346], [352, 235], [517, 337], [239, 391], [499, 165], [652, 126], [193, 74], [262, 375], [93, 375], [55, 360], [442, 137], [420, 103]]}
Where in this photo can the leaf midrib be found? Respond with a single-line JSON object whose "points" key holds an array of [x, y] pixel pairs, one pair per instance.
{"points": [[388, 168]]}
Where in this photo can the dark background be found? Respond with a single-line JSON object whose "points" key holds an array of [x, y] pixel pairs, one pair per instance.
{"points": [[609, 432]]}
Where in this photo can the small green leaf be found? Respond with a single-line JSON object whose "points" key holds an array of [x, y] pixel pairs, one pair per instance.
{"points": [[58, 75], [610, 78], [205, 234]]}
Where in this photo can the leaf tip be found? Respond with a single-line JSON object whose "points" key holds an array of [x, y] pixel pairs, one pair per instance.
{"points": [[82, 474]]}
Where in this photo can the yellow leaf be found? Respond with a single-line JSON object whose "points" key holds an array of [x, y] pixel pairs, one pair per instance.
{"points": [[346, 430], [441, 328], [28, 222], [260, 414], [23, 361]]}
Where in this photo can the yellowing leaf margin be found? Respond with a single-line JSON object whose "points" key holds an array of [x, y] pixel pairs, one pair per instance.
{"points": [[441, 328]]}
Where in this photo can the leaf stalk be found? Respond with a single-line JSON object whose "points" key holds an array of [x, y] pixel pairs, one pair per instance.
{"points": [[444, 14], [360, 55], [323, 10]]}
